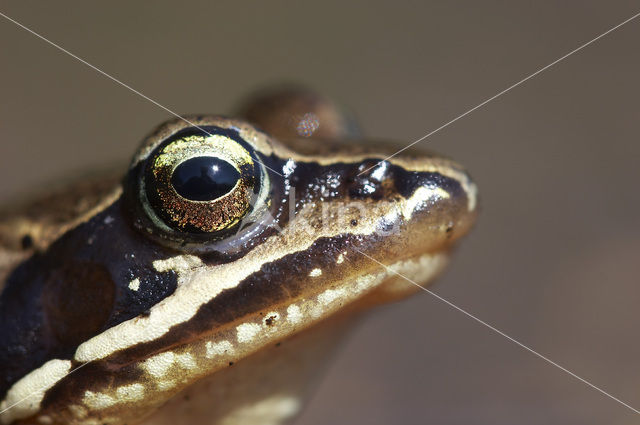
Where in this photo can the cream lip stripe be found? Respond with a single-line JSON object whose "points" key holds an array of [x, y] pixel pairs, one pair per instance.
{"points": [[114, 79], [372, 259], [39, 390], [530, 76]]}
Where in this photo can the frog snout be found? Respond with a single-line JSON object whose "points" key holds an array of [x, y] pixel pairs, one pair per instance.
{"points": [[433, 204]]}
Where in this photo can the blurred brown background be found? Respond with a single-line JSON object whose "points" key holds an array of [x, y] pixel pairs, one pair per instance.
{"points": [[555, 258]]}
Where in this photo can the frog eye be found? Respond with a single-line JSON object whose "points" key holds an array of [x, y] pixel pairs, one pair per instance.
{"points": [[201, 181]]}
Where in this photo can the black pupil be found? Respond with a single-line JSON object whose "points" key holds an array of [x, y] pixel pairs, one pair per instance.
{"points": [[204, 178]]}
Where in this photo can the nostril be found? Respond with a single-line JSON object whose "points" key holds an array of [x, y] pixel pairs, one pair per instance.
{"points": [[449, 230]]}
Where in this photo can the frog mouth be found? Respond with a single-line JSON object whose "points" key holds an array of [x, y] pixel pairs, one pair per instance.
{"points": [[293, 265]]}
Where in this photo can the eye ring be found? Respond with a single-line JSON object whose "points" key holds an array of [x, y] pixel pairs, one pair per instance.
{"points": [[201, 184]]}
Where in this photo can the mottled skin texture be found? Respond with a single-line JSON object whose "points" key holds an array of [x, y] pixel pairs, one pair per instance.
{"points": [[168, 327]]}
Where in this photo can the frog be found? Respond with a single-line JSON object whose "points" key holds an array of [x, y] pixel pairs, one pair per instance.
{"points": [[211, 281]]}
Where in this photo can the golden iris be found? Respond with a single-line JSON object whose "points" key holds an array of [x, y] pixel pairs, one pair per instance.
{"points": [[201, 183]]}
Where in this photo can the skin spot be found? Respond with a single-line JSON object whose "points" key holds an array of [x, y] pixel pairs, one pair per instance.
{"points": [[330, 295], [186, 361], [158, 365], [422, 269], [315, 272], [340, 259], [165, 384], [316, 311], [98, 400], [130, 393], [294, 315], [272, 410], [180, 263], [134, 285], [78, 411], [247, 332], [218, 348], [45, 420], [366, 282]]}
